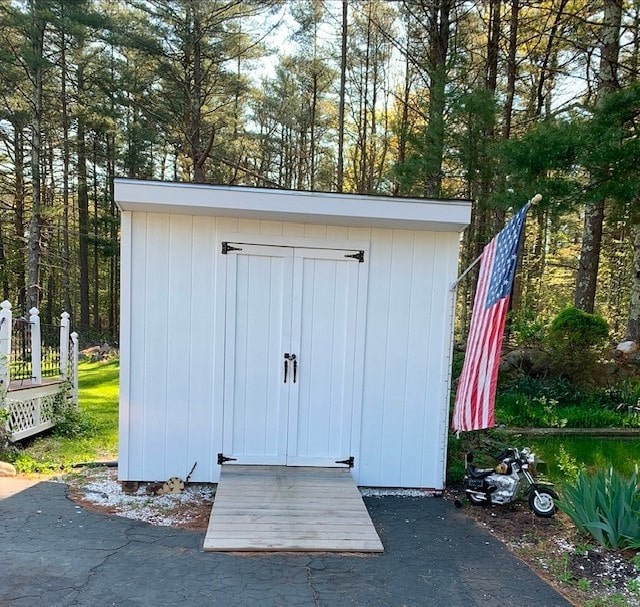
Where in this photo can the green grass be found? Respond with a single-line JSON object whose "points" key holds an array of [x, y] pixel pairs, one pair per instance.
{"points": [[556, 402], [621, 453], [98, 401], [560, 454]]}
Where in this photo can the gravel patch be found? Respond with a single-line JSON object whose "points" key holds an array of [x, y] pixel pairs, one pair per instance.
{"points": [[375, 492], [99, 489]]}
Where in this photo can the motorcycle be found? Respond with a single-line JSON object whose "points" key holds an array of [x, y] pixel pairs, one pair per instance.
{"points": [[501, 485]]}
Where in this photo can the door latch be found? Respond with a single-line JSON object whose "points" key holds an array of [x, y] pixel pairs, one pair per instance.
{"points": [[290, 357]]}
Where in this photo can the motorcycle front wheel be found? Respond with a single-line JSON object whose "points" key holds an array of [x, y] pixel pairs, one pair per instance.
{"points": [[543, 502]]}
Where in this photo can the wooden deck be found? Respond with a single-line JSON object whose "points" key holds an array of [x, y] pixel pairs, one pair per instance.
{"points": [[283, 509]]}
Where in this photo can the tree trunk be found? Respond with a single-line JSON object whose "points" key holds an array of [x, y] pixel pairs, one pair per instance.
{"points": [[66, 159], [549, 58], [83, 211], [493, 44], [404, 119], [198, 155], [587, 277], [438, 50], [633, 322], [96, 239], [589, 257], [18, 215], [512, 66], [6, 290], [33, 242], [113, 238], [312, 131], [341, 105]]}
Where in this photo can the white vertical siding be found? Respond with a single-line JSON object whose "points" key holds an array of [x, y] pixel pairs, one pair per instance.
{"points": [[177, 327], [125, 343], [171, 405], [201, 430], [155, 319], [406, 362], [172, 355]]}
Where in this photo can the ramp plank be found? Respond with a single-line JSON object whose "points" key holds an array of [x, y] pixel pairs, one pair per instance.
{"points": [[279, 508]]}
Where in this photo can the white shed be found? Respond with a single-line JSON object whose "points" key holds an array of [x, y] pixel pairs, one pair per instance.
{"points": [[285, 328]]}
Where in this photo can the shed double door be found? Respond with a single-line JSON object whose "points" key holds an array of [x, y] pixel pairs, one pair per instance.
{"points": [[290, 354]]}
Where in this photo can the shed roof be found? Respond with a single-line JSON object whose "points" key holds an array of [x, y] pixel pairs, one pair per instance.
{"points": [[291, 205]]}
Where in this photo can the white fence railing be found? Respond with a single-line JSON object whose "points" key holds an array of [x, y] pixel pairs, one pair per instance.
{"points": [[37, 378]]}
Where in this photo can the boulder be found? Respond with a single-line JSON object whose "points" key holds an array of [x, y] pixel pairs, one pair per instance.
{"points": [[529, 360], [627, 347], [7, 469]]}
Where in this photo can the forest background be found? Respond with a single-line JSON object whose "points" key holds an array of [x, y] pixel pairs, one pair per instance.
{"points": [[487, 100]]}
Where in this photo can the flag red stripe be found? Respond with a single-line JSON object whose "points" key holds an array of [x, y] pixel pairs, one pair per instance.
{"points": [[475, 397], [467, 390], [477, 387]]}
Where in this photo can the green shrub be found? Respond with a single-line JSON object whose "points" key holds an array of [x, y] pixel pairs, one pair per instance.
{"points": [[6, 448], [26, 464], [525, 328], [606, 506], [72, 422], [569, 465], [577, 341]]}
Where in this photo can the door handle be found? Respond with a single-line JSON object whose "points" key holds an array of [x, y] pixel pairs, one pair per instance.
{"points": [[286, 366], [295, 367]]}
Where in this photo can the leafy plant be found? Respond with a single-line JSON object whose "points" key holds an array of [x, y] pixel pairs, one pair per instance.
{"points": [[547, 402], [525, 328], [577, 340], [26, 464], [634, 585], [569, 465], [6, 449], [72, 422], [584, 584], [606, 506]]}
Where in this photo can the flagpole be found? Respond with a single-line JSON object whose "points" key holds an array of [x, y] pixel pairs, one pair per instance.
{"points": [[473, 263], [535, 200]]}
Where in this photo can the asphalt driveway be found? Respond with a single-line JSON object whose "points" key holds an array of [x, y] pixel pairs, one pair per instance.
{"points": [[54, 553]]}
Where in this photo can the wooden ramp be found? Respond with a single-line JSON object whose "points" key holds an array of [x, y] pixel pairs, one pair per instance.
{"points": [[278, 508]]}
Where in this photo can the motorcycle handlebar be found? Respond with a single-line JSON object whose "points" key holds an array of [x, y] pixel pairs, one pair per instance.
{"points": [[507, 453]]}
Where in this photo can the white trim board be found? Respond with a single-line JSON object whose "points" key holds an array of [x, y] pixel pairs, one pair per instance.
{"points": [[292, 206]]}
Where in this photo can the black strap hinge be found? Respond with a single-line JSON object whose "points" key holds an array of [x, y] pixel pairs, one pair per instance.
{"points": [[347, 462], [223, 458], [226, 247], [359, 256]]}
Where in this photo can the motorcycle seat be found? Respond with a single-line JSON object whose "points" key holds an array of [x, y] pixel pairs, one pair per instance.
{"points": [[479, 472]]}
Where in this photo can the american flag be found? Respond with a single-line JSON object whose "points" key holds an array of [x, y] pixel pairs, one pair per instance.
{"points": [[475, 397]]}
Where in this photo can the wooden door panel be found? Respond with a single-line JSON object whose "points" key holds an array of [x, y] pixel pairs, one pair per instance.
{"points": [[257, 333], [323, 331]]}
